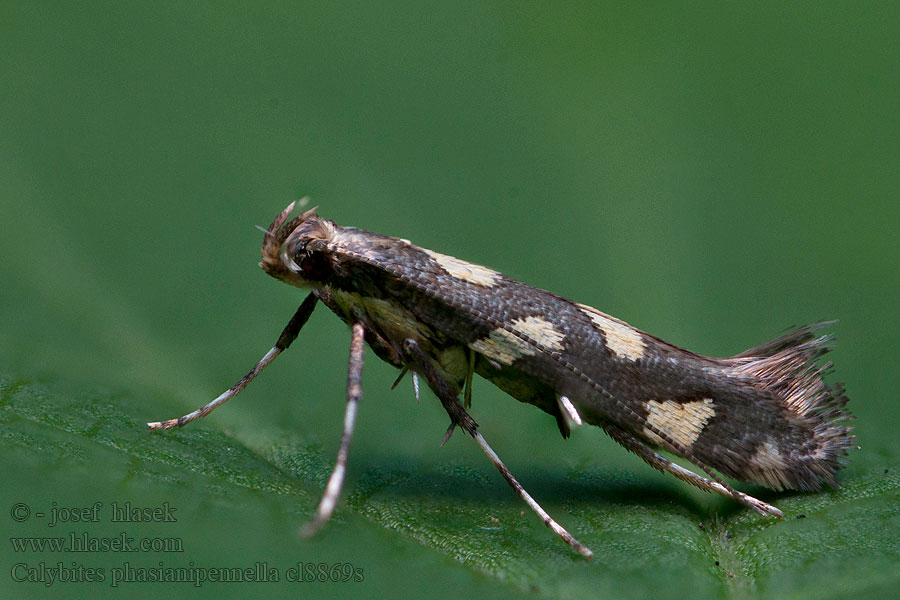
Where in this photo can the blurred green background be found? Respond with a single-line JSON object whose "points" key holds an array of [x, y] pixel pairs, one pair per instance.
{"points": [[711, 173]]}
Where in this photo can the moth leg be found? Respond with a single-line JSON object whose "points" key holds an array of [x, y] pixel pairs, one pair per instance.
{"points": [[354, 393], [448, 434], [447, 392], [287, 337], [658, 462], [415, 380], [470, 370], [400, 377]]}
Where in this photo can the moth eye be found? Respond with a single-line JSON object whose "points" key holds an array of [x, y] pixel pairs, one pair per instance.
{"points": [[310, 265], [292, 253], [298, 255]]}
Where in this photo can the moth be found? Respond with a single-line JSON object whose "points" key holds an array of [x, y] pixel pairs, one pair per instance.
{"points": [[764, 416]]}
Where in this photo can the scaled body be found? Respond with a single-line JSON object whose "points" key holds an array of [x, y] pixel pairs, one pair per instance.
{"points": [[763, 416]]}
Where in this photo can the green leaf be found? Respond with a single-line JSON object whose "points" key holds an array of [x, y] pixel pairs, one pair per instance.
{"points": [[648, 538], [710, 174]]}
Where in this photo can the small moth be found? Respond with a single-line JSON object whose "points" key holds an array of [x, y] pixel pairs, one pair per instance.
{"points": [[764, 416]]}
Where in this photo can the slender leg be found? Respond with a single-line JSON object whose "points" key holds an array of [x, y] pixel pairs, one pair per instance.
{"points": [[415, 380], [658, 462], [447, 393], [354, 393], [400, 377], [445, 390], [284, 340], [467, 388]]}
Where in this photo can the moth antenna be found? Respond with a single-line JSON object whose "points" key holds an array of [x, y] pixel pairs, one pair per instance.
{"points": [[354, 393]]}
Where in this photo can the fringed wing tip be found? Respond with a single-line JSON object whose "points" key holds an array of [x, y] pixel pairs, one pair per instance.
{"points": [[788, 369]]}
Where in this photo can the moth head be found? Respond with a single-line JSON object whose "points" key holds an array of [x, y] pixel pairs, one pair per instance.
{"points": [[294, 252]]}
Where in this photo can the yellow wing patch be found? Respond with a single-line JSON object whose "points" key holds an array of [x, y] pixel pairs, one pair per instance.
{"points": [[621, 338], [461, 269], [681, 421], [504, 346], [540, 330]]}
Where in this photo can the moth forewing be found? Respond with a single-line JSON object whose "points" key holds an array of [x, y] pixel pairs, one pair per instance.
{"points": [[764, 416]]}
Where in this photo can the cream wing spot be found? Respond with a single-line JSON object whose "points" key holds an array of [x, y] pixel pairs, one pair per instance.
{"points": [[769, 466], [681, 421], [461, 269], [621, 339], [540, 331], [503, 347], [767, 457]]}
